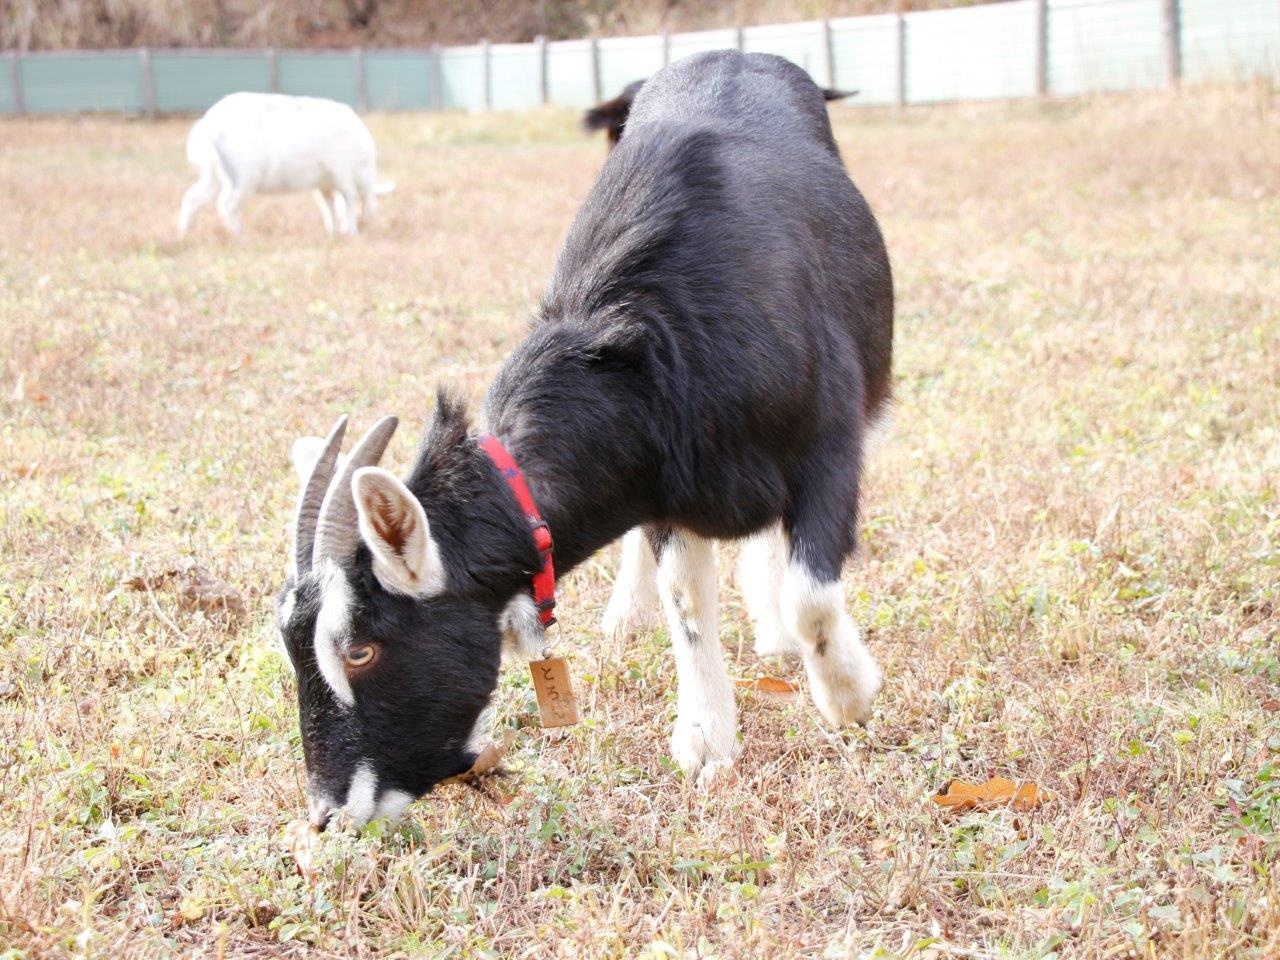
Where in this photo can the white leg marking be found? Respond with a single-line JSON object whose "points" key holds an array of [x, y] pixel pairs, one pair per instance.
{"points": [[762, 563], [843, 676], [635, 590], [523, 636], [705, 738]]}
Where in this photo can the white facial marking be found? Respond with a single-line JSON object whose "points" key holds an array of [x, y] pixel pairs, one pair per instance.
{"points": [[362, 795], [283, 616], [332, 632], [522, 632]]}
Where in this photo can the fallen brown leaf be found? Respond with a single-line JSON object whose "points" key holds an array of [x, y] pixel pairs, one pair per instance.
{"points": [[22, 391], [1271, 706], [301, 837], [767, 684], [996, 792]]}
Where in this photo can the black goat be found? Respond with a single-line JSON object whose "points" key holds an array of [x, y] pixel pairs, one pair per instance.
{"points": [[710, 352], [611, 115]]}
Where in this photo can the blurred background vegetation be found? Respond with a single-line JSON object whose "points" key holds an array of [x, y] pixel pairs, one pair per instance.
{"points": [[66, 24]]}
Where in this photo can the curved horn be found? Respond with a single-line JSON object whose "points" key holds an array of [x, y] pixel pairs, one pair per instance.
{"points": [[312, 497], [337, 532]]}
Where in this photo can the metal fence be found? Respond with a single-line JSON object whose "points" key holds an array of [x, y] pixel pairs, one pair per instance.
{"points": [[1019, 48]]}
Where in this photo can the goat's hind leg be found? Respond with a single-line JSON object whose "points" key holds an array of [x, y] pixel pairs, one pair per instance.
{"points": [[843, 675], [198, 194], [705, 738], [634, 600], [762, 563]]}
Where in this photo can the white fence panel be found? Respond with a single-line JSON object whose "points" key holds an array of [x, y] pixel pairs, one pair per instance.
{"points": [[625, 59], [1230, 40], [569, 73], [687, 44], [1105, 45], [462, 78], [865, 55], [801, 43], [515, 76], [971, 53]]}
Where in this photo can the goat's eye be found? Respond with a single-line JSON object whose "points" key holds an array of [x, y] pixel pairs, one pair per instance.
{"points": [[362, 655]]}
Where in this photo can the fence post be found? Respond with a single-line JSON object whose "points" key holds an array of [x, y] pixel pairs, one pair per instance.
{"points": [[273, 70], [739, 39], [437, 77], [486, 64], [595, 69], [900, 96], [827, 58], [362, 81], [148, 78], [1042, 47], [15, 75], [1172, 43], [666, 48], [544, 88]]}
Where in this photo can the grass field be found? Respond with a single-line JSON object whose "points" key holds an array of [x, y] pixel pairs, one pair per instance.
{"points": [[1070, 566]]}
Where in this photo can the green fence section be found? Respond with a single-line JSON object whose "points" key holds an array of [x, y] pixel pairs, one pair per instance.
{"points": [[1012, 49], [188, 81], [99, 82], [401, 79], [331, 74]]}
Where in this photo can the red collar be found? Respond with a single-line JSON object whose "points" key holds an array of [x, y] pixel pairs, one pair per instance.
{"points": [[544, 580]]}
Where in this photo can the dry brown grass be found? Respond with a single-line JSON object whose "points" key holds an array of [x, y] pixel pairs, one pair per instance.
{"points": [[1070, 572]]}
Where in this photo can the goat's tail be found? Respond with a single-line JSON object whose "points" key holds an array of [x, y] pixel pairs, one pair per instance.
{"points": [[383, 188]]}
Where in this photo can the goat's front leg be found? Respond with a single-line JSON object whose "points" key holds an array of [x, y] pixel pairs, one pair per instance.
{"points": [[705, 739]]}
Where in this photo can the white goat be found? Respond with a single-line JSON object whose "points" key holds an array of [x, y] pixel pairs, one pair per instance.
{"points": [[270, 143]]}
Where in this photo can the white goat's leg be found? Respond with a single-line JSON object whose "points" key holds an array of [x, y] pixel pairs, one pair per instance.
{"points": [[197, 195], [350, 200], [843, 675], [635, 589], [326, 211], [705, 738], [229, 201], [762, 563]]}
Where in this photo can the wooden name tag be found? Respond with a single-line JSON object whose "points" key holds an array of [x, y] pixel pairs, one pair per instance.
{"points": [[556, 703]]}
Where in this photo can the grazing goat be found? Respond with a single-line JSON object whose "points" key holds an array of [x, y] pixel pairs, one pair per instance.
{"points": [[269, 143], [611, 115], [713, 345]]}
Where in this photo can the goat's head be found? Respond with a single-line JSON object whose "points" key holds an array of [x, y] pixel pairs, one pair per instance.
{"points": [[393, 671]]}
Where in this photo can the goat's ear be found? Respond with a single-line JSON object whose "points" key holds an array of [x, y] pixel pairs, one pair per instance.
{"points": [[393, 524], [305, 453]]}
